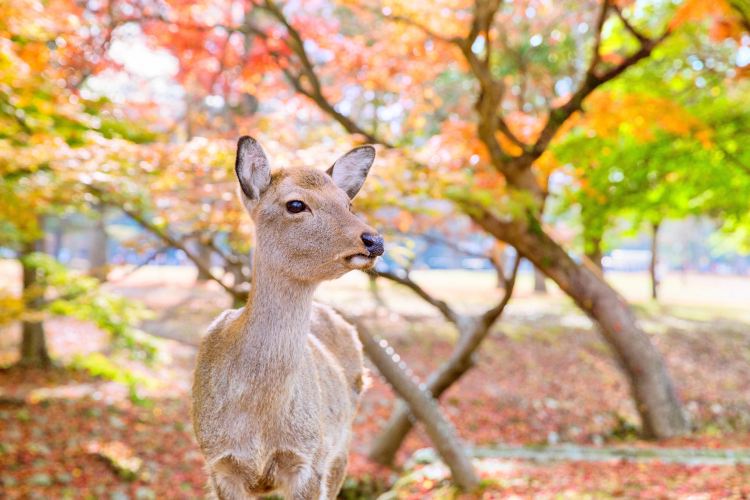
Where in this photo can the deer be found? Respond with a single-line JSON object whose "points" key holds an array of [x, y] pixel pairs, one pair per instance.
{"points": [[277, 383]]}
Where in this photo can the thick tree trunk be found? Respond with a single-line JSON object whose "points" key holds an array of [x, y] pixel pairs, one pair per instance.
{"points": [[540, 285], [34, 346], [652, 268], [654, 395], [33, 349], [98, 267], [424, 407]]}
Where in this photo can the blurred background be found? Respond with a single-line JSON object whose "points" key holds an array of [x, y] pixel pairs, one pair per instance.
{"points": [[564, 188]]}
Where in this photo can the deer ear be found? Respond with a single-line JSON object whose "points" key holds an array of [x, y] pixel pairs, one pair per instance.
{"points": [[350, 171], [252, 169]]}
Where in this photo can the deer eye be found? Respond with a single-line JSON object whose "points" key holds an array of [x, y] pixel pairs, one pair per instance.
{"points": [[295, 206]]}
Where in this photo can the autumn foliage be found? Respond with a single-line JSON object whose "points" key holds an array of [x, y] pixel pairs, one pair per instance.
{"points": [[539, 128]]}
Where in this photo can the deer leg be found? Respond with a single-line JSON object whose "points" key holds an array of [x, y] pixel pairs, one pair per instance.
{"points": [[336, 476], [225, 490], [309, 488], [232, 479]]}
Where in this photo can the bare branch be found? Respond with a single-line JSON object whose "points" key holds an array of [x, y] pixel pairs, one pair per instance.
{"points": [[405, 280], [315, 93], [502, 126], [175, 243], [628, 26], [596, 53], [439, 429], [149, 258], [453, 246], [472, 332], [233, 261], [491, 89], [168, 239], [421, 27], [490, 316]]}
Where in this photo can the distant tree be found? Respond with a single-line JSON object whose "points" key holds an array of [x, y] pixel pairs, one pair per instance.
{"points": [[46, 129], [684, 160]]}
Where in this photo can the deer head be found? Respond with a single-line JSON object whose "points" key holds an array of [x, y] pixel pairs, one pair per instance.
{"points": [[305, 227]]}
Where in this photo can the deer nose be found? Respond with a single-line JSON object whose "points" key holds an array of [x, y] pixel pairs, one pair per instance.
{"points": [[373, 244]]}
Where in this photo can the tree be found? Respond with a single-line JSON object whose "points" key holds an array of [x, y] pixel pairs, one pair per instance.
{"points": [[508, 154], [472, 329], [34, 117], [508, 135], [45, 128], [676, 161]]}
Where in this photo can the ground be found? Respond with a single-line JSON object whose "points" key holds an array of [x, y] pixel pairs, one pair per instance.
{"points": [[544, 376]]}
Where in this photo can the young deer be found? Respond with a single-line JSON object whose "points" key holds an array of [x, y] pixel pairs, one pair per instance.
{"points": [[277, 382]]}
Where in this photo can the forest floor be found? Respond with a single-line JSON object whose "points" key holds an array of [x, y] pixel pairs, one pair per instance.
{"points": [[543, 378]]}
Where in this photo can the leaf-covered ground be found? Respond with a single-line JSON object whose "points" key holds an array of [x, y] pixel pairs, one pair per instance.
{"points": [[544, 376]]}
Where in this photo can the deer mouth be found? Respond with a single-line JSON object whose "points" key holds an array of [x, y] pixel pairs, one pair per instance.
{"points": [[361, 260]]}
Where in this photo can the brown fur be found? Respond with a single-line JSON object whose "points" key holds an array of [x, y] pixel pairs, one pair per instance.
{"points": [[277, 383]]}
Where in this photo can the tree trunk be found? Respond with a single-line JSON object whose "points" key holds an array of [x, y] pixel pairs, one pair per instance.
{"points": [[204, 254], [424, 407], [540, 286], [388, 442], [472, 332], [594, 254], [654, 260], [98, 261], [654, 395], [33, 349]]}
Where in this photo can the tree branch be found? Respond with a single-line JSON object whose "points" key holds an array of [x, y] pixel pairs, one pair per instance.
{"points": [[169, 240], [422, 405], [628, 26], [455, 247], [421, 27], [472, 333], [405, 280], [315, 93], [140, 265], [491, 315], [175, 243], [591, 81], [491, 89], [734, 159], [743, 11], [502, 126]]}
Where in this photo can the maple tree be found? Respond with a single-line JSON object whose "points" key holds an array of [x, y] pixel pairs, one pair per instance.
{"points": [[649, 154], [475, 104], [52, 143]]}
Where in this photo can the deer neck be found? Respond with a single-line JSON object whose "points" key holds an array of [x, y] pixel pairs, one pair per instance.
{"points": [[278, 319]]}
